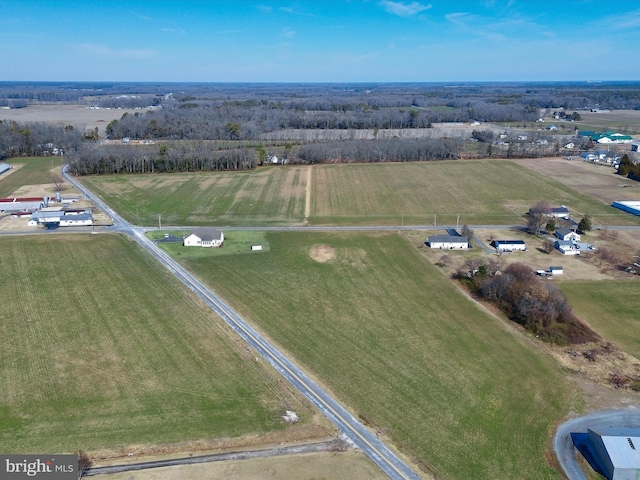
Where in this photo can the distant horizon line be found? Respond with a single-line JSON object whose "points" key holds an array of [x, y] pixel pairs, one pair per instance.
{"points": [[362, 82]]}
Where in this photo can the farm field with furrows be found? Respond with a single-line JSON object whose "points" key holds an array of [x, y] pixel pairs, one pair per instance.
{"points": [[610, 307], [481, 192], [451, 386], [266, 196], [101, 349]]}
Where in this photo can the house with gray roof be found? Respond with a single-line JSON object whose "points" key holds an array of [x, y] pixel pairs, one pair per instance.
{"points": [[448, 242], [204, 237]]}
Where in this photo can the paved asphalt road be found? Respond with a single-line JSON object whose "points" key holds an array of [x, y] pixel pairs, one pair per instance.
{"points": [[355, 431], [562, 444]]}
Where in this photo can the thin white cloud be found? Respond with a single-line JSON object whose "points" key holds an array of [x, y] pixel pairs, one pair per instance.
{"points": [[403, 9], [624, 21], [288, 33], [99, 50], [295, 12], [460, 19], [173, 30], [265, 8]]}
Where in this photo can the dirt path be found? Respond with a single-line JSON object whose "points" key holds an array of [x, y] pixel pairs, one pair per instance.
{"points": [[336, 445], [307, 202]]}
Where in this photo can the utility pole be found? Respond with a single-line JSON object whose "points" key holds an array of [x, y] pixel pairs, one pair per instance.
{"points": [[159, 222], [457, 222]]}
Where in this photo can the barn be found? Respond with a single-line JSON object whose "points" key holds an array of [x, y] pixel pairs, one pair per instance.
{"points": [[509, 245], [448, 242], [616, 452]]}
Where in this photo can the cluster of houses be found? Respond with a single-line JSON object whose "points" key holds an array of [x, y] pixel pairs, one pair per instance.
{"points": [[567, 240]]}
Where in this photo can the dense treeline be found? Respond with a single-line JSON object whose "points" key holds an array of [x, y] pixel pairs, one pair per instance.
{"points": [[185, 157], [536, 305], [396, 150], [36, 139]]}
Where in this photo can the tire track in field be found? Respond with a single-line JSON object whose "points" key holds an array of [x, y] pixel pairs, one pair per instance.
{"points": [[307, 200]]}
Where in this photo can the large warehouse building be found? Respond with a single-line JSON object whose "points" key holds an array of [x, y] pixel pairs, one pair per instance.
{"points": [[616, 452], [628, 206]]}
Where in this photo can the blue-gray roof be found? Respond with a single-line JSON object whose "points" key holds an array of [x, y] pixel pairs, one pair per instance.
{"points": [[4, 167]]}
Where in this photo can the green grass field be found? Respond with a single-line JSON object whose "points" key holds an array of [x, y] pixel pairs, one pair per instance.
{"points": [[263, 197], [101, 348], [34, 171], [235, 243], [399, 344], [480, 192], [610, 307]]}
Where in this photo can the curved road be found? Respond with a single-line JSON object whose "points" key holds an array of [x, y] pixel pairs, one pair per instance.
{"points": [[355, 431], [562, 444]]}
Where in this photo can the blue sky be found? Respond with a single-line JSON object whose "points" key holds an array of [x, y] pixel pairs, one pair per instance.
{"points": [[319, 40]]}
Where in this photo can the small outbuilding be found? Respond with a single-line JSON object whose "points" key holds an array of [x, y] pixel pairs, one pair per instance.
{"points": [[509, 245], [448, 242], [556, 270], [256, 247], [4, 167]]}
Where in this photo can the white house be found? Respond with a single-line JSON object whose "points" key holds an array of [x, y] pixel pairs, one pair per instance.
{"points": [[567, 247], [509, 245], [204, 237], [80, 219], [448, 242], [564, 233]]}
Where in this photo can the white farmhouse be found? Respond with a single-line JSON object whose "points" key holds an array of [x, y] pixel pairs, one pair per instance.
{"points": [[204, 237], [564, 233]]}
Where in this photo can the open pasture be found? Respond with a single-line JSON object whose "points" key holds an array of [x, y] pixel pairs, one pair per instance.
{"points": [[72, 114], [32, 171], [610, 307], [263, 197], [596, 180], [401, 346], [481, 192], [623, 121], [101, 349]]}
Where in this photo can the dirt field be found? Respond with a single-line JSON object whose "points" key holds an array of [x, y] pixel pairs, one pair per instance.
{"points": [[596, 180], [351, 465], [76, 115]]}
